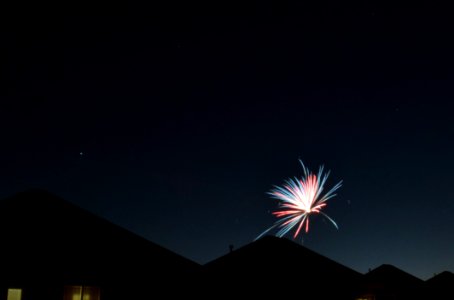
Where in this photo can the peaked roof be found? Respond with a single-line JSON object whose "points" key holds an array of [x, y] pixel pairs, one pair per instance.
{"points": [[270, 254], [440, 286], [282, 266], [42, 230], [444, 279], [389, 274]]}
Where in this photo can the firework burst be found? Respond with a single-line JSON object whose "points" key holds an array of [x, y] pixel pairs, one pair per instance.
{"points": [[299, 199]]}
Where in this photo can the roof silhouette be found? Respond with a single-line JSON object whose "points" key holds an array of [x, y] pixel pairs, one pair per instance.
{"points": [[44, 232], [49, 240], [272, 261], [389, 282], [441, 284], [389, 274], [272, 252]]}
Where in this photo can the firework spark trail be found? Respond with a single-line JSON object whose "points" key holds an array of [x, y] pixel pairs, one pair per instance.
{"points": [[299, 199]]}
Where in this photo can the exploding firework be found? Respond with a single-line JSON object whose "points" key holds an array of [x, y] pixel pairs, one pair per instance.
{"points": [[299, 199]]}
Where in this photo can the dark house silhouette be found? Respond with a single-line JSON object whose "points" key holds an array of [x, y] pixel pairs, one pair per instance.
{"points": [[389, 282], [282, 268], [52, 249], [440, 286]]}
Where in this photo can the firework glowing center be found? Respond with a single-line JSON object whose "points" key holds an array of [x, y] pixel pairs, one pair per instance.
{"points": [[300, 198]]}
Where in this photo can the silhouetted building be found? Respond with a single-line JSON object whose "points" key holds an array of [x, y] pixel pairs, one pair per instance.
{"points": [[388, 282], [52, 249], [280, 267], [440, 286]]}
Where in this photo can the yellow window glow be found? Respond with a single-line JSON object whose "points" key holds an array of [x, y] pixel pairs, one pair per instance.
{"points": [[14, 294], [91, 293], [73, 293], [77, 292]]}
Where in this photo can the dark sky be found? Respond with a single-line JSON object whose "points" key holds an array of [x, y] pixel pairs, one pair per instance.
{"points": [[175, 120]]}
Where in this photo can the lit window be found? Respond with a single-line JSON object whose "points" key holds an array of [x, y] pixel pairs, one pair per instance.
{"points": [[366, 297], [77, 292], [90, 293], [14, 294]]}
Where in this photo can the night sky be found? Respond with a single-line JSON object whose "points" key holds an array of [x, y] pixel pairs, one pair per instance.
{"points": [[174, 121]]}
